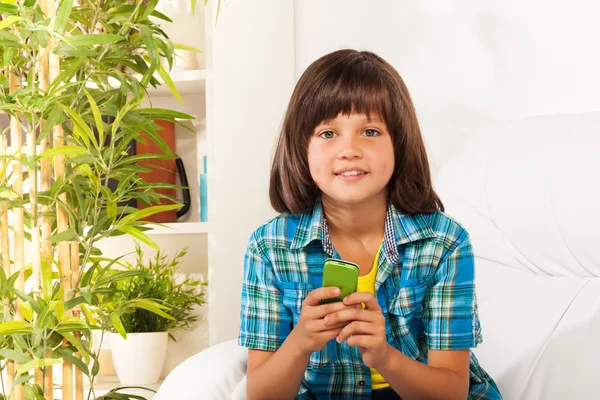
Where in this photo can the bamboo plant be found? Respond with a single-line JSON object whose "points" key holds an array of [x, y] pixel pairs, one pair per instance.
{"points": [[74, 80]]}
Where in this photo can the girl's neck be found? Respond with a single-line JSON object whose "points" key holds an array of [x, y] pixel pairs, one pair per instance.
{"points": [[361, 220]]}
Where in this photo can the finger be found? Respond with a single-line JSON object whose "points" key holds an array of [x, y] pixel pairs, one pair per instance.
{"points": [[356, 328], [327, 327], [316, 295], [362, 297], [328, 335], [322, 310], [360, 340], [350, 314]]}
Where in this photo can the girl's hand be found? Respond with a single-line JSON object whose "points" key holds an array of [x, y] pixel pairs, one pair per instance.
{"points": [[365, 329], [311, 333]]}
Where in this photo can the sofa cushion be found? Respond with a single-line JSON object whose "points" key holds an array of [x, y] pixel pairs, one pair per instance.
{"points": [[526, 192]]}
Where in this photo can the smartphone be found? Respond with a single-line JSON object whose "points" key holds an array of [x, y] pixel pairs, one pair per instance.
{"points": [[342, 274]]}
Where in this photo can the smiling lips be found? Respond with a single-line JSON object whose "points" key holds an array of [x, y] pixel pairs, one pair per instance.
{"points": [[351, 174]]}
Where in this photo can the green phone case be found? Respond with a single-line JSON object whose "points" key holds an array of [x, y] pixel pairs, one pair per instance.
{"points": [[342, 274]]}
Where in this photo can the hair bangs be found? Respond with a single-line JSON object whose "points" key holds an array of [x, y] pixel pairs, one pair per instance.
{"points": [[353, 88]]}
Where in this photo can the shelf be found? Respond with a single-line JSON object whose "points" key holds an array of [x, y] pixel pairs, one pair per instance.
{"points": [[104, 384], [181, 228], [186, 82]]}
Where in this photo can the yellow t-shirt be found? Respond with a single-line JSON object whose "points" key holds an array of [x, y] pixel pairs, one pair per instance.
{"points": [[366, 283]]}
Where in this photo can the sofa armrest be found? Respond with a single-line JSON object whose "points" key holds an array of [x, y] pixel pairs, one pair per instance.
{"points": [[212, 374]]}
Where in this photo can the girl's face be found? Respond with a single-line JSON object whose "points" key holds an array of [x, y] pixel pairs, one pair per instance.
{"points": [[351, 159]]}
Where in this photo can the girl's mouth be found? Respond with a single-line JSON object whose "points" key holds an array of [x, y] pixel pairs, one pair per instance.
{"points": [[351, 176]]}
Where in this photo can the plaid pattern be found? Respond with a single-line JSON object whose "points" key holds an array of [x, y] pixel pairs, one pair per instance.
{"points": [[424, 285]]}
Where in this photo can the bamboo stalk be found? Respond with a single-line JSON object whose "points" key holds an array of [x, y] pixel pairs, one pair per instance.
{"points": [[67, 377], [5, 248], [46, 226], [64, 260], [36, 266], [19, 219], [77, 314]]}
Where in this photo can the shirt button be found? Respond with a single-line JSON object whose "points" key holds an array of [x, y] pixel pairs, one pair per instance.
{"points": [[361, 383]]}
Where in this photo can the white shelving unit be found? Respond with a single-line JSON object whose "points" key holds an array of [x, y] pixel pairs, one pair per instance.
{"points": [[186, 82], [181, 228], [194, 87], [239, 98]]}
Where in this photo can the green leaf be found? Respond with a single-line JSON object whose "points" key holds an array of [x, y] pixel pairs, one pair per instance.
{"points": [[146, 212], [41, 37], [181, 46], [160, 15], [53, 119], [34, 364], [169, 82], [79, 52], [94, 39], [25, 297], [163, 113], [70, 151], [22, 379], [68, 235], [87, 294], [71, 324], [121, 275], [8, 9], [67, 354], [151, 306], [89, 315], [111, 209], [97, 117], [75, 342], [46, 280], [59, 308], [79, 124], [139, 235], [26, 311], [45, 319], [148, 38], [145, 157], [13, 327], [117, 324], [96, 367], [70, 304], [149, 8], [62, 16], [15, 355], [8, 21], [87, 277]]}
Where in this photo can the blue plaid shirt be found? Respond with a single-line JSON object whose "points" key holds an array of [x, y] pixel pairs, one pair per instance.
{"points": [[424, 285]]}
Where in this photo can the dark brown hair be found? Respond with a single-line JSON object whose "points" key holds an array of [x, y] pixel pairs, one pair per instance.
{"points": [[346, 82]]}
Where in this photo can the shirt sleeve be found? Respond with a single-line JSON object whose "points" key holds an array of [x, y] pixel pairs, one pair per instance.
{"points": [[450, 311], [265, 322]]}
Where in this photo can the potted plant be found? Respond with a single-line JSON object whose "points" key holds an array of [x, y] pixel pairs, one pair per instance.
{"points": [[67, 68], [139, 343]]}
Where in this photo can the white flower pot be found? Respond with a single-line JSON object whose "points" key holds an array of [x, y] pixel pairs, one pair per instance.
{"points": [[139, 359]]}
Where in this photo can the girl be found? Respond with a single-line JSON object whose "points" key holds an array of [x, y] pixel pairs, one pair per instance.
{"points": [[351, 180]]}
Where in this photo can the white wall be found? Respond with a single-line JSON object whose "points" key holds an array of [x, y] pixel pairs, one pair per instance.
{"points": [[253, 64], [466, 61]]}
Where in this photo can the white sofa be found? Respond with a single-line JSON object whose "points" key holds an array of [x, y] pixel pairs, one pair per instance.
{"points": [[528, 193]]}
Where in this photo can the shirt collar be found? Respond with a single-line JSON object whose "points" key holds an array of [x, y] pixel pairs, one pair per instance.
{"points": [[400, 229]]}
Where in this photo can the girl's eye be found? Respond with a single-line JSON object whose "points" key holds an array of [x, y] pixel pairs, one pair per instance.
{"points": [[327, 135], [371, 132]]}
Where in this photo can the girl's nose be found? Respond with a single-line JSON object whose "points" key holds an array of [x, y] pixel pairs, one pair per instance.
{"points": [[350, 148]]}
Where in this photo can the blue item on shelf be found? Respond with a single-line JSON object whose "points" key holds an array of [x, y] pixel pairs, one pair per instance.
{"points": [[203, 195]]}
